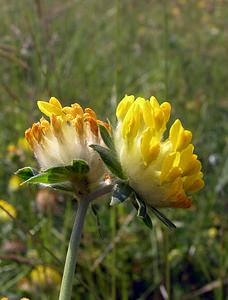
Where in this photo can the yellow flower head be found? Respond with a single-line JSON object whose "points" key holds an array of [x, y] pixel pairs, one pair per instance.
{"points": [[14, 183], [162, 171], [66, 137], [44, 276], [5, 206]]}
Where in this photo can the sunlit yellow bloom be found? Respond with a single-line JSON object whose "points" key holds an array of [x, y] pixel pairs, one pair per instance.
{"points": [[66, 137], [43, 276], [212, 232], [5, 206], [161, 170], [14, 183]]}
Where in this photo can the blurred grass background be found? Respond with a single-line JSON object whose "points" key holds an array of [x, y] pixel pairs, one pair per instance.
{"points": [[94, 52]]}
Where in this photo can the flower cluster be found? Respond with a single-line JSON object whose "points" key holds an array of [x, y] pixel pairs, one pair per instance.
{"points": [[66, 137], [45, 276], [40, 278], [161, 170]]}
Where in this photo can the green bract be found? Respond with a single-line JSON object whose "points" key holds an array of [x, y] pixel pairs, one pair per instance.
{"points": [[57, 177], [109, 158]]}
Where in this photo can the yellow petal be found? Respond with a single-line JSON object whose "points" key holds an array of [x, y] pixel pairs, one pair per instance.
{"points": [[194, 167], [175, 131], [67, 110], [154, 102], [140, 101], [173, 174], [159, 119], [148, 114], [49, 109], [91, 113], [123, 106], [55, 102], [184, 139], [77, 109], [132, 121], [196, 186], [179, 137], [56, 123], [189, 181], [166, 108], [176, 186], [170, 161], [186, 158], [150, 146], [182, 200]]}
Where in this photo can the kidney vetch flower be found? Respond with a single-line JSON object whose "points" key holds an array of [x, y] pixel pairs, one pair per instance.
{"points": [[161, 170], [66, 137]]}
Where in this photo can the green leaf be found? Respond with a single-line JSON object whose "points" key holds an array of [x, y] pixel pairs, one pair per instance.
{"points": [[49, 176], [140, 206], [162, 218], [106, 136], [77, 170], [109, 158], [121, 192], [62, 186], [26, 173], [79, 166], [147, 221]]}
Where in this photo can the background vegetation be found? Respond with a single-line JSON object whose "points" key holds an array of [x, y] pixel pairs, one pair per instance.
{"points": [[94, 52]]}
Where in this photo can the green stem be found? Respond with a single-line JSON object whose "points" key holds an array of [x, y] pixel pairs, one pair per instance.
{"points": [[70, 263], [71, 258], [113, 224], [167, 266]]}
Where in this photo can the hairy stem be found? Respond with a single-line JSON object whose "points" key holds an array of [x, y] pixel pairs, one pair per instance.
{"points": [[70, 263], [71, 258]]}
